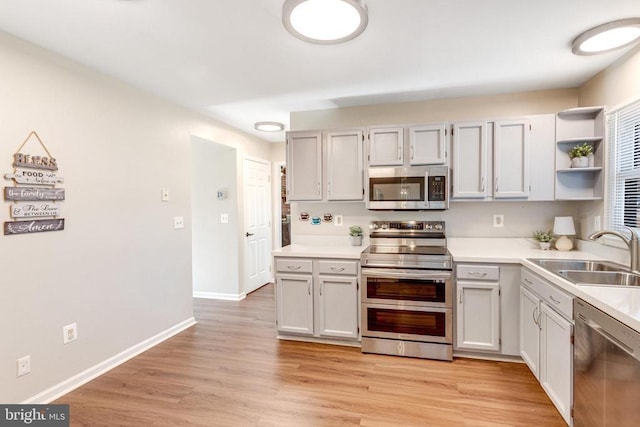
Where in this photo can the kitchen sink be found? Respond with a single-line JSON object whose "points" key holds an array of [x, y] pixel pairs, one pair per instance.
{"points": [[590, 273], [601, 278], [556, 265]]}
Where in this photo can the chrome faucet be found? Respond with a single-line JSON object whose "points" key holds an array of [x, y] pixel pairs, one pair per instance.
{"points": [[633, 243]]}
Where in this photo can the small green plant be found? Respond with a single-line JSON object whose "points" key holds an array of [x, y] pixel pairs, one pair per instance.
{"points": [[580, 150], [543, 236], [355, 230]]}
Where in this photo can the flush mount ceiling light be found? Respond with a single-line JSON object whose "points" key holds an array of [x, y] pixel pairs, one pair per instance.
{"points": [[325, 21], [607, 37], [268, 126]]}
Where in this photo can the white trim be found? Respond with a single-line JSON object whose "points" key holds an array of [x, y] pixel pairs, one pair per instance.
{"points": [[220, 296], [72, 383]]}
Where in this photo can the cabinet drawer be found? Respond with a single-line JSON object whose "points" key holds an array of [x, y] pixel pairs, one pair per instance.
{"points": [[561, 301], [338, 267], [293, 265], [478, 272]]}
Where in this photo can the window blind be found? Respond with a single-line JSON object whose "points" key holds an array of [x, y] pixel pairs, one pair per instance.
{"points": [[623, 201]]}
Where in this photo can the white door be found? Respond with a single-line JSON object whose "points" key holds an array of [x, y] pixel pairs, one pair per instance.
{"points": [[470, 161], [294, 302], [257, 223], [345, 165], [427, 145], [530, 330], [511, 159], [304, 166], [478, 316], [338, 306], [386, 146]]}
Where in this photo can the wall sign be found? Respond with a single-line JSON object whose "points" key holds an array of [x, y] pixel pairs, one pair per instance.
{"points": [[32, 193], [34, 177], [31, 170], [34, 226], [33, 210]]}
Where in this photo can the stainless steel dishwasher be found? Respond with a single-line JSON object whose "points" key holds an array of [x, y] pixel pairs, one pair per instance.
{"points": [[606, 370]]}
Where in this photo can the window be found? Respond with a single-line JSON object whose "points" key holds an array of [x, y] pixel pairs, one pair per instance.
{"points": [[623, 201]]}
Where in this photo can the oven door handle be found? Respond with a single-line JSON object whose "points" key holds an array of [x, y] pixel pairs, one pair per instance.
{"points": [[419, 274]]}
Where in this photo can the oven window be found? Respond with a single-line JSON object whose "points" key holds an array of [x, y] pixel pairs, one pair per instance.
{"points": [[398, 189], [406, 289], [406, 322]]}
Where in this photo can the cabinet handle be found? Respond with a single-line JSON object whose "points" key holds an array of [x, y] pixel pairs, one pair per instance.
{"points": [[555, 301], [527, 281], [534, 317], [321, 286], [538, 321], [412, 152], [337, 269], [329, 187], [482, 185], [318, 188], [293, 267], [496, 184], [399, 152], [309, 288], [460, 298], [477, 274]]}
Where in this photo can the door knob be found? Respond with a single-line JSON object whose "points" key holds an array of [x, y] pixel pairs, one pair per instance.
{"points": [[248, 234]]}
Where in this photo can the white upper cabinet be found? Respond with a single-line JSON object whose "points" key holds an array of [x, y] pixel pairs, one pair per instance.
{"points": [[511, 159], [386, 146], [469, 166], [427, 144], [345, 172], [304, 166], [329, 170], [542, 152]]}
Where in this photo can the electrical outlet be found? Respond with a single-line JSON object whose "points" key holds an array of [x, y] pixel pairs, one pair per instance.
{"points": [[178, 222], [338, 220], [224, 218], [69, 333], [165, 194], [498, 220], [23, 366]]}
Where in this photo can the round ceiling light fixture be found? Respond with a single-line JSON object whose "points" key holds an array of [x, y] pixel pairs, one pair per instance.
{"points": [[325, 21], [607, 37], [268, 126]]}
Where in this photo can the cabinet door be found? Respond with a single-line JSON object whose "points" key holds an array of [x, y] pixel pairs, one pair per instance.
{"points": [[469, 167], [294, 303], [338, 306], [530, 330], [542, 153], [386, 147], [344, 165], [427, 145], [556, 359], [478, 316], [304, 166], [511, 159]]}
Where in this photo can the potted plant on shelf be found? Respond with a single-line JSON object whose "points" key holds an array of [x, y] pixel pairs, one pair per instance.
{"points": [[544, 239], [355, 235], [580, 154]]}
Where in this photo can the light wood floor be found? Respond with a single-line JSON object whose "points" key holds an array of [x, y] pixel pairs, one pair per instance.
{"points": [[230, 370]]}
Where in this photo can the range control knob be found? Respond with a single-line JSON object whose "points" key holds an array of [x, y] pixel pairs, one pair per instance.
{"points": [[438, 227]]}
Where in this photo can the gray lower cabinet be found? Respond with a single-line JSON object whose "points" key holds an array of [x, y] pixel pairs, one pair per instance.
{"points": [[486, 309], [317, 298], [546, 330]]}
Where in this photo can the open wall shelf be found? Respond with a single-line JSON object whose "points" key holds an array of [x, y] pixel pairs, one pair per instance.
{"points": [[577, 126]]}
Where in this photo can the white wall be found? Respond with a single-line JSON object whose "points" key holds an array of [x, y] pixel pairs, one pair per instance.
{"points": [[119, 269], [617, 85], [464, 219], [216, 251]]}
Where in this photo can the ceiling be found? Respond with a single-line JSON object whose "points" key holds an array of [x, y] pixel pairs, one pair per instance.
{"points": [[234, 61]]}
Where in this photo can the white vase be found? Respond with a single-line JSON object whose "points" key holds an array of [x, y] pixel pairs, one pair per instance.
{"points": [[580, 162], [545, 245], [356, 240]]}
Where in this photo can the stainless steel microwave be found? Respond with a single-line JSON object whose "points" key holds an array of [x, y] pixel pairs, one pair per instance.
{"points": [[408, 188]]}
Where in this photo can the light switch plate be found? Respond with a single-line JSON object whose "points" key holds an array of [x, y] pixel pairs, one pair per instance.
{"points": [[165, 194], [224, 218]]}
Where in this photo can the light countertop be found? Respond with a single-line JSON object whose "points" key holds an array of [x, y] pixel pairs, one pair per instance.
{"points": [[620, 303]]}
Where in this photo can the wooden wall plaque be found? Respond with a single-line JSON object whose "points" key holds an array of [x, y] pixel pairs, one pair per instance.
{"points": [[33, 226], [33, 194]]}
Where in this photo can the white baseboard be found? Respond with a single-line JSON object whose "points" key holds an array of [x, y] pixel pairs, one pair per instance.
{"points": [[216, 295], [95, 371]]}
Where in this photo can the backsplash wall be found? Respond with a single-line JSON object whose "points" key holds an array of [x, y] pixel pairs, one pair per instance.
{"points": [[463, 219]]}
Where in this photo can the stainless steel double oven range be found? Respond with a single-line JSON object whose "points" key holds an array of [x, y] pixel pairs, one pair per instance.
{"points": [[407, 294]]}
